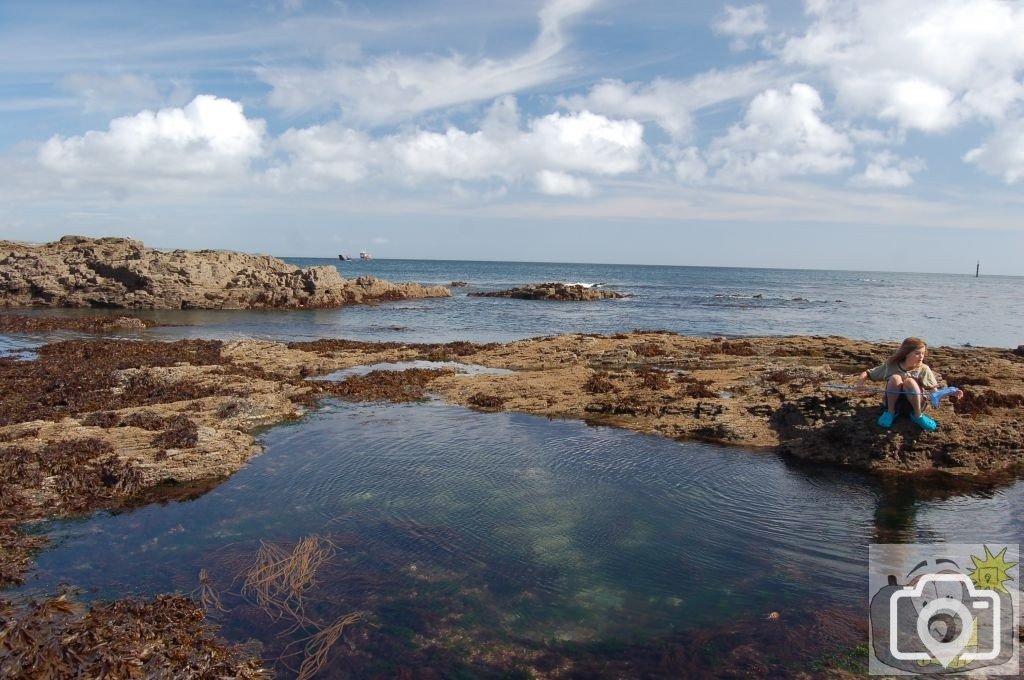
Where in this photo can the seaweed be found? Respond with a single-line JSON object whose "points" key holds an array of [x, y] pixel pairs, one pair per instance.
{"points": [[652, 379], [75, 377], [599, 383], [395, 386], [694, 387], [163, 638], [279, 581], [146, 420], [649, 349], [980, 402], [486, 401], [180, 433], [17, 549], [18, 323]]}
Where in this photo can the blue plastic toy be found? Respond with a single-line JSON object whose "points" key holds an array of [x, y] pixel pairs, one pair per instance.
{"points": [[944, 392]]}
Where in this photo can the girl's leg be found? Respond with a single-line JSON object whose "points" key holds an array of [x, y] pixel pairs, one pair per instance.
{"points": [[914, 395], [893, 388]]}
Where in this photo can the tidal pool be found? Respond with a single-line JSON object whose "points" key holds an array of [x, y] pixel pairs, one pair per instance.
{"points": [[479, 543]]}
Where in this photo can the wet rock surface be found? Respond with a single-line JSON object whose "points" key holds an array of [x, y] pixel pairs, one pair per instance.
{"points": [[121, 273], [554, 291]]}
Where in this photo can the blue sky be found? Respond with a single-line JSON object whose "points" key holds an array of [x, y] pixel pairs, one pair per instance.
{"points": [[878, 135]]}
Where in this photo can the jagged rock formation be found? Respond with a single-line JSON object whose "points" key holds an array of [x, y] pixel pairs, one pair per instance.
{"points": [[122, 273], [554, 291]]}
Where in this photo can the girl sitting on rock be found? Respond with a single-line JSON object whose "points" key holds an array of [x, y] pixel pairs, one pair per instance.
{"points": [[908, 380]]}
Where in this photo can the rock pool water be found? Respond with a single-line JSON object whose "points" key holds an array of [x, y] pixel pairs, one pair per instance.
{"points": [[501, 530]]}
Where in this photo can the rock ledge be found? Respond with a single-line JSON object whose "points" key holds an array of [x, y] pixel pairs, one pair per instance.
{"points": [[554, 291], [78, 271]]}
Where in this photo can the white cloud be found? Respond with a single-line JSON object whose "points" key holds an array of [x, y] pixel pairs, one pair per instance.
{"points": [[455, 154], [671, 103], [885, 169], [1002, 153], [588, 142], [742, 22], [924, 65], [208, 138], [395, 87], [781, 134], [563, 184], [583, 142], [326, 152], [548, 151]]}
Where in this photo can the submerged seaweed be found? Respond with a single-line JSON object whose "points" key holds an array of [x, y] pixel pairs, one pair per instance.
{"points": [[167, 637]]}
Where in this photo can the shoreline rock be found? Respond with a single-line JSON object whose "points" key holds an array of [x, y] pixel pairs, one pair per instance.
{"points": [[112, 272], [568, 292]]}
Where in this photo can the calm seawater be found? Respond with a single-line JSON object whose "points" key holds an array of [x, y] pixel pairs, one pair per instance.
{"points": [[507, 529], [943, 309]]}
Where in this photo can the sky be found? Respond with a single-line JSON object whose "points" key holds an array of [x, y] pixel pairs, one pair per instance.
{"points": [[833, 134]]}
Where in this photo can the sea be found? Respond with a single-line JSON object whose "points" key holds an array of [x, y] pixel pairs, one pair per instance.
{"points": [[481, 544]]}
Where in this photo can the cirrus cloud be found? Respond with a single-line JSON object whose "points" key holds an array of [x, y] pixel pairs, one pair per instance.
{"points": [[396, 87], [671, 103]]}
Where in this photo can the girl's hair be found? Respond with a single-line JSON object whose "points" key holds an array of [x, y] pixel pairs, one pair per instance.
{"points": [[908, 346]]}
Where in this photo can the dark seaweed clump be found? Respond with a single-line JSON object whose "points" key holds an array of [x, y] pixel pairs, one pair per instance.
{"points": [[17, 323], [17, 549], [487, 401], [653, 379], [179, 432], [84, 473], [396, 386], [983, 401], [328, 345], [70, 378], [167, 637], [649, 349], [599, 383], [736, 348], [695, 387], [428, 351]]}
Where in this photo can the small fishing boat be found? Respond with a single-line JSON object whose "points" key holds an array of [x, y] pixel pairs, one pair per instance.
{"points": [[365, 256], [343, 257]]}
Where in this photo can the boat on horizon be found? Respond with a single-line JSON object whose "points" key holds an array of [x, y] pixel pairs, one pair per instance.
{"points": [[343, 257], [363, 255]]}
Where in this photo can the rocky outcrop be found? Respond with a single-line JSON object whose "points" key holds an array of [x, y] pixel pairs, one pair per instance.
{"points": [[767, 393], [554, 291], [121, 273]]}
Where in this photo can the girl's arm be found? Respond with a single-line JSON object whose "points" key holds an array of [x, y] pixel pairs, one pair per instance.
{"points": [[861, 379]]}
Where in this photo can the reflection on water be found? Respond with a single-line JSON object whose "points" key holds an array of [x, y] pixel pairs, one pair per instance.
{"points": [[505, 527]]}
